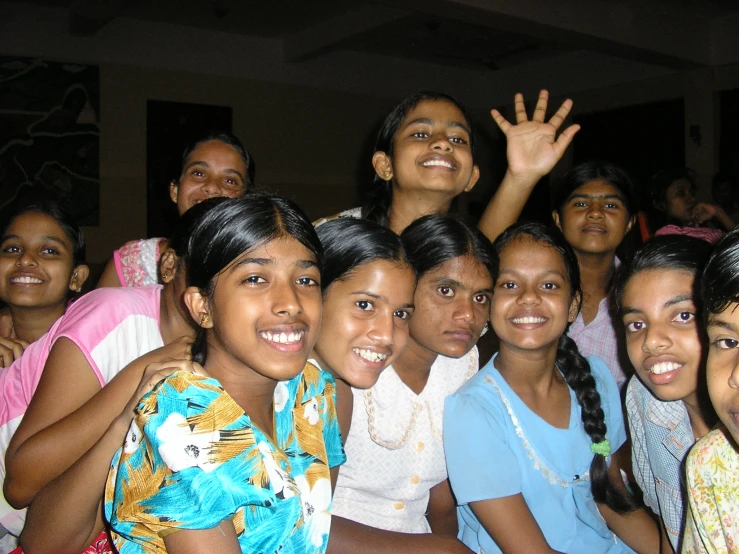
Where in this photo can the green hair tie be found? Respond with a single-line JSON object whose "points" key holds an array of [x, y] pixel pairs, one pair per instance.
{"points": [[603, 448]]}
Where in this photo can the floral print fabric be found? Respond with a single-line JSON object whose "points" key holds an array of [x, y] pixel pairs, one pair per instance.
{"points": [[713, 492], [192, 459], [137, 262]]}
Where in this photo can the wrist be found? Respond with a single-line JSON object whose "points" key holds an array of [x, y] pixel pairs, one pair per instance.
{"points": [[519, 181]]}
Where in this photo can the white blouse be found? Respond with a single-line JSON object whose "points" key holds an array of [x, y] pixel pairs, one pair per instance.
{"points": [[394, 450]]}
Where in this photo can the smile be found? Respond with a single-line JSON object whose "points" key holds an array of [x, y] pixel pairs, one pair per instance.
{"points": [[437, 163], [27, 280], [664, 367], [283, 338], [528, 320], [370, 356]]}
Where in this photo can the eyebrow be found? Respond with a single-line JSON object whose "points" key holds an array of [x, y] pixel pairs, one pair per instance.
{"points": [[458, 284], [427, 121], [229, 170], [304, 264], [45, 237], [671, 302], [596, 196], [712, 322], [510, 271]]}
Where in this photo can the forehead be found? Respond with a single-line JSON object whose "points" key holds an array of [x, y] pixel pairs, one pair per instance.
{"points": [[526, 254], [212, 150], [680, 184], [466, 270], [284, 250], [33, 224], [382, 277], [654, 287], [598, 187], [730, 314], [435, 110]]}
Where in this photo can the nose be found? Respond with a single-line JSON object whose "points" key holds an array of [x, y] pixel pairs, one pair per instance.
{"points": [[595, 211], [212, 187], [286, 301], [441, 142], [464, 310], [382, 329], [26, 260], [655, 339], [734, 375], [528, 296]]}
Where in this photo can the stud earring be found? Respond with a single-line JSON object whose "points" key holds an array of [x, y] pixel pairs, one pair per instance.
{"points": [[204, 319]]}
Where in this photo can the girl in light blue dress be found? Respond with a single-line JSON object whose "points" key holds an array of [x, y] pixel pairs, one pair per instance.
{"points": [[529, 439]]}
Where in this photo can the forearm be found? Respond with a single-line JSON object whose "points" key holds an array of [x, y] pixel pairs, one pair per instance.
{"points": [[350, 536], [723, 218], [66, 515], [637, 529], [507, 204]]}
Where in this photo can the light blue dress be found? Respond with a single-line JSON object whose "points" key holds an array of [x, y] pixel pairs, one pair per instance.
{"points": [[495, 446]]}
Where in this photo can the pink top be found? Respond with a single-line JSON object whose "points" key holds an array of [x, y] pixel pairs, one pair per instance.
{"points": [[137, 262], [111, 327], [707, 234]]}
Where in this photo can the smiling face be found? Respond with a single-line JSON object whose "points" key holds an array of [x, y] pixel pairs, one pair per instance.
{"points": [[594, 218], [213, 169], [36, 263], [722, 367], [452, 306], [265, 312], [431, 151], [532, 303], [365, 321], [680, 200], [661, 331]]}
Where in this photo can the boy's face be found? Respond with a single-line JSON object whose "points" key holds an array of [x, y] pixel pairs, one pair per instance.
{"points": [[722, 370]]}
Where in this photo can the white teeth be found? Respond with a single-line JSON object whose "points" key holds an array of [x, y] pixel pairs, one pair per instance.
{"points": [[528, 319], [440, 163], [664, 367], [26, 280], [369, 355], [282, 338]]}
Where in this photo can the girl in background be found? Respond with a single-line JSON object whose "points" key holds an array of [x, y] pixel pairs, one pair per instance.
{"points": [[713, 463], [424, 159], [393, 493], [249, 446], [529, 439], [214, 165], [666, 404], [368, 285], [595, 210], [672, 192]]}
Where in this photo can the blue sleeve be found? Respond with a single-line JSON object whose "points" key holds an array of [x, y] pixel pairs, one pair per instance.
{"points": [[610, 401], [331, 432], [479, 461]]}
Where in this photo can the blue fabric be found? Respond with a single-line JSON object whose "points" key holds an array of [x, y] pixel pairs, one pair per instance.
{"points": [[192, 459], [661, 437], [486, 459]]}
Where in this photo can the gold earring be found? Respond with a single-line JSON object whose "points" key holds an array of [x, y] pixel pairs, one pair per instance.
{"points": [[204, 319]]}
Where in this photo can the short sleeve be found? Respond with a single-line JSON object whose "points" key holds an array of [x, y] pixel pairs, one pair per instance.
{"points": [[480, 463], [331, 432], [177, 469], [610, 401], [639, 454]]}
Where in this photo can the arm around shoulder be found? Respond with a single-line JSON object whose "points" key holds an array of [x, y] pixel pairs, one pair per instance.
{"points": [[109, 277]]}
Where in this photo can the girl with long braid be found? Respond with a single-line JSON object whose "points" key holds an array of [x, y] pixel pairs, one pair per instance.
{"points": [[529, 439]]}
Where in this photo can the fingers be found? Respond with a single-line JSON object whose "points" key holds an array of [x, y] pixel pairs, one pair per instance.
{"points": [[520, 108], [501, 121], [561, 114], [540, 111], [11, 350], [564, 140]]}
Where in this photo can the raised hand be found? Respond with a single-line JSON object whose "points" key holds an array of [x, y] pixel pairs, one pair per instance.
{"points": [[533, 149]]}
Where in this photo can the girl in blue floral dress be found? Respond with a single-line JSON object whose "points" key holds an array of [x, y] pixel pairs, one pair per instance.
{"points": [[237, 459]]}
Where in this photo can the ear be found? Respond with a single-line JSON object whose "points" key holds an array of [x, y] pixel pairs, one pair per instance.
{"points": [[198, 306], [630, 224], [174, 191], [79, 276], [168, 265], [473, 178], [383, 166], [555, 218], [574, 308]]}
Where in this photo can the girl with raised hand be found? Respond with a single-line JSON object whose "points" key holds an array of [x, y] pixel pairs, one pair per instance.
{"points": [[41, 265], [52, 413], [666, 404], [424, 159], [249, 447], [529, 439], [213, 165], [712, 466], [368, 285], [393, 494], [595, 208]]}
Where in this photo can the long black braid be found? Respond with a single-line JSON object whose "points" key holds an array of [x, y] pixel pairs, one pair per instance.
{"points": [[575, 368]]}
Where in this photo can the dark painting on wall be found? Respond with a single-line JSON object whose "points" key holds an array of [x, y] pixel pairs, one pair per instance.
{"points": [[49, 134], [170, 127]]}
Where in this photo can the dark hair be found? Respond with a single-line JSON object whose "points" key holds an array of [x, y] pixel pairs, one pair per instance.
{"points": [[719, 179], [64, 219], [662, 180], [719, 284], [573, 365], [584, 173], [380, 195], [434, 239], [349, 243], [238, 225], [230, 140], [665, 252]]}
